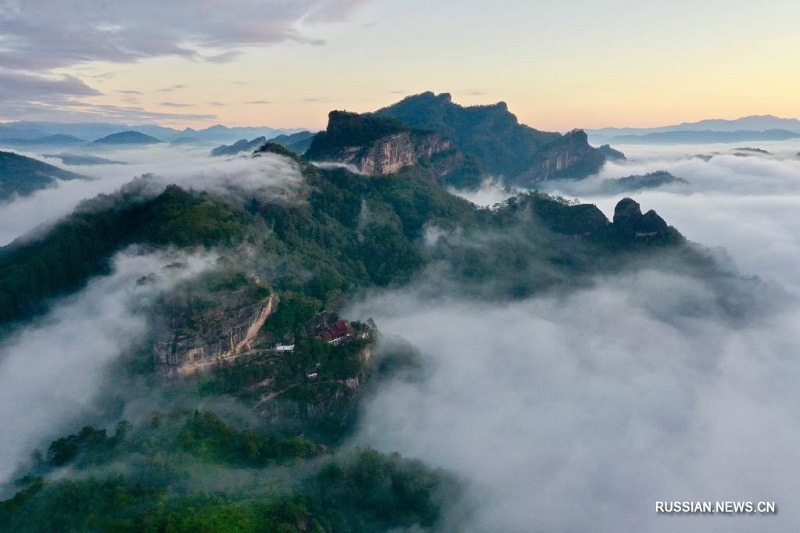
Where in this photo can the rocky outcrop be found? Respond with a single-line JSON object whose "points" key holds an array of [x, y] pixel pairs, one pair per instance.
{"points": [[193, 344], [375, 145], [610, 153], [512, 152], [390, 154], [568, 157], [629, 221]]}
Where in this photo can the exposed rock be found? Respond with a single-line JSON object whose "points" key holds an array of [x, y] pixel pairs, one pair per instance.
{"points": [[630, 221], [194, 344], [375, 145], [389, 154], [568, 157], [506, 149]]}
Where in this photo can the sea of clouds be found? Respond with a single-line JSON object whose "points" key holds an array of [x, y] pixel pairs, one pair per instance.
{"points": [[579, 411]]}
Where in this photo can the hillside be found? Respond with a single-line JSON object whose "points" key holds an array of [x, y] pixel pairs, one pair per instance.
{"points": [[242, 145], [24, 175], [261, 331], [296, 142], [507, 149], [128, 138]]}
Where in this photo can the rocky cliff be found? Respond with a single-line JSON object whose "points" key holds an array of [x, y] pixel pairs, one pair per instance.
{"points": [[374, 145], [195, 341], [630, 221], [506, 149], [568, 157]]}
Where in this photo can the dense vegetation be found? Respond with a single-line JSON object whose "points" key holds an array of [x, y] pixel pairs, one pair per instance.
{"points": [[490, 133], [188, 471], [351, 129], [146, 479], [23, 175], [61, 261]]}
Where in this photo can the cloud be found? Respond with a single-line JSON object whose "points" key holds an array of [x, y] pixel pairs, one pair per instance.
{"points": [[15, 85], [41, 35], [578, 411], [259, 102], [38, 37], [67, 109], [488, 194], [51, 372], [175, 104], [171, 88], [224, 57], [746, 205], [270, 178]]}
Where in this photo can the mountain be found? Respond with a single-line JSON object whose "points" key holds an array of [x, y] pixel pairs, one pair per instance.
{"points": [[297, 142], [48, 140], [456, 145], [376, 145], [95, 130], [705, 137], [610, 153], [242, 145], [232, 412], [518, 154], [83, 159], [650, 180], [185, 140], [753, 123], [127, 138], [24, 175]]}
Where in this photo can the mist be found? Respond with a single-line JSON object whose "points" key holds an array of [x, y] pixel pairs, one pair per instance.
{"points": [[269, 177], [746, 205], [578, 410], [52, 371]]}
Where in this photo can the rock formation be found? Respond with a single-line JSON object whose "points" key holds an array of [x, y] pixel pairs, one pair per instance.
{"points": [[568, 157], [195, 343], [630, 221], [378, 146]]}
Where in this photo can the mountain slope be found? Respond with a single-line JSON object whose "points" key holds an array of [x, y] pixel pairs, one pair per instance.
{"points": [[129, 137], [24, 175], [506, 148], [266, 451], [242, 145]]}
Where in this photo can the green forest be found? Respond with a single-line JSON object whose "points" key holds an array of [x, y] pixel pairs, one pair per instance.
{"points": [[286, 469]]}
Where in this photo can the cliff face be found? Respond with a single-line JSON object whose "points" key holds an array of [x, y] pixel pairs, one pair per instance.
{"points": [[392, 153], [191, 344], [374, 145], [568, 157], [506, 149]]}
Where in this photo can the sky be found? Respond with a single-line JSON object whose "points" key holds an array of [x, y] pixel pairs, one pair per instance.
{"points": [[559, 65]]}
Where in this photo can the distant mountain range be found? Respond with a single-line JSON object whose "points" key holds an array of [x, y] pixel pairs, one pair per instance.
{"points": [[52, 133], [751, 128]]}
